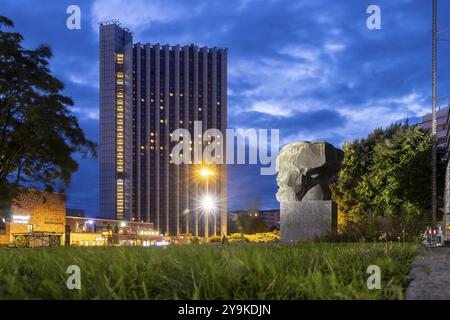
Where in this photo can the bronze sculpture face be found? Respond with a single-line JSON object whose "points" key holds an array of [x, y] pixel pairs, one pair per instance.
{"points": [[305, 169]]}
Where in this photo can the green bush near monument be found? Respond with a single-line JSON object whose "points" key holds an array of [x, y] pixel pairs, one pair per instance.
{"points": [[384, 186]]}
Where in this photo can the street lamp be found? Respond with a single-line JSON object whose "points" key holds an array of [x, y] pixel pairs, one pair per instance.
{"points": [[206, 173], [186, 213], [208, 204]]}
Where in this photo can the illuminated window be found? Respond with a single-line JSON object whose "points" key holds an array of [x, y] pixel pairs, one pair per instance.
{"points": [[119, 58], [119, 76]]}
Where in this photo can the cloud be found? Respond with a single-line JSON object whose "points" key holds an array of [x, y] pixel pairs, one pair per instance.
{"points": [[310, 68], [136, 14], [271, 108], [86, 113]]}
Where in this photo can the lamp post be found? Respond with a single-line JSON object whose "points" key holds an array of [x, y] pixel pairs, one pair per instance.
{"points": [[433, 117], [186, 212]]}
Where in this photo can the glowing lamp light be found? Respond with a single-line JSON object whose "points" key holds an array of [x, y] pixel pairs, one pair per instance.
{"points": [[123, 224], [205, 172], [208, 203]]}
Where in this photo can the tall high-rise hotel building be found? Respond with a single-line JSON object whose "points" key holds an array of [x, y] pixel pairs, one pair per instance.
{"points": [[146, 92]]}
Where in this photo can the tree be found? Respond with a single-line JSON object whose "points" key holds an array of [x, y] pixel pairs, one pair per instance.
{"points": [[249, 224], [38, 134], [388, 174]]}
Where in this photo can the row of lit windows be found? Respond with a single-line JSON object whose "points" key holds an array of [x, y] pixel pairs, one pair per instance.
{"points": [[120, 135], [120, 197], [119, 58], [119, 78]]}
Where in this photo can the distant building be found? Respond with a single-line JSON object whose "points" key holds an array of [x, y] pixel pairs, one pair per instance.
{"points": [[232, 216], [271, 217], [75, 212], [34, 212], [146, 92], [442, 125]]}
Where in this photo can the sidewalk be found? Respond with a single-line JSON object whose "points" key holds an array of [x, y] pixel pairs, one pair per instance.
{"points": [[430, 275]]}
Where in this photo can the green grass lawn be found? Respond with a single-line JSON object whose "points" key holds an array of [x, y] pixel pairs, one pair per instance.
{"points": [[236, 271]]}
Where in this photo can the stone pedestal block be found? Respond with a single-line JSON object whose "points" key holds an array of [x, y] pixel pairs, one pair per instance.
{"points": [[307, 220]]}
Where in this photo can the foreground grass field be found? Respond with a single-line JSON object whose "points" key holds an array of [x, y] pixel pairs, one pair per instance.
{"points": [[254, 271]]}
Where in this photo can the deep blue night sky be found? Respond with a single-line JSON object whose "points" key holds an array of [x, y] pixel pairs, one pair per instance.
{"points": [[310, 68]]}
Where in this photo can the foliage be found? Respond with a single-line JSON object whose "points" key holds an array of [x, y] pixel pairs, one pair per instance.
{"points": [[248, 224], [253, 271], [214, 239], [195, 240], [38, 134], [273, 236], [264, 237], [237, 237], [387, 174]]}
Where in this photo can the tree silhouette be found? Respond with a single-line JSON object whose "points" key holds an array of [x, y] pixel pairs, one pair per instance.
{"points": [[38, 134]]}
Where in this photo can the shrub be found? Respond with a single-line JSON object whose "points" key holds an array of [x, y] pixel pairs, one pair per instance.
{"points": [[238, 237], [195, 240], [215, 239]]}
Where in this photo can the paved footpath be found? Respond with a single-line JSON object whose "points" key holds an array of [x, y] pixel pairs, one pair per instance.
{"points": [[430, 275]]}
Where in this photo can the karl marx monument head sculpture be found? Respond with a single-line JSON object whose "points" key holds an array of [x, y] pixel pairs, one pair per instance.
{"points": [[305, 169]]}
